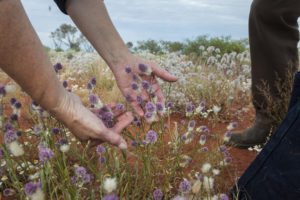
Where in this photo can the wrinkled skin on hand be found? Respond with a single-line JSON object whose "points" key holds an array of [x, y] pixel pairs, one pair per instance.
{"points": [[124, 80], [85, 125]]}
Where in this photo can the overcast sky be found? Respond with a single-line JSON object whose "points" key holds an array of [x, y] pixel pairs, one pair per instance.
{"points": [[173, 20]]}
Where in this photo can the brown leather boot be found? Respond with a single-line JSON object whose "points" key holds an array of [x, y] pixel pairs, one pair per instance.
{"points": [[255, 135]]}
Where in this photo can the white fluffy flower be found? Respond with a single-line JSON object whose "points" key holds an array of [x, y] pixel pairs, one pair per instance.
{"points": [[110, 184], [216, 109], [64, 148], [196, 187], [38, 195], [216, 171], [208, 183], [10, 89], [206, 167], [15, 149]]}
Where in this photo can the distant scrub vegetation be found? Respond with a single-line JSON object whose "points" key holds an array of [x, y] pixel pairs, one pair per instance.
{"points": [[68, 37]]}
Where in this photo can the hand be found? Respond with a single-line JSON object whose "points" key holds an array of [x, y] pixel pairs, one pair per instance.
{"points": [[124, 79], [86, 125]]}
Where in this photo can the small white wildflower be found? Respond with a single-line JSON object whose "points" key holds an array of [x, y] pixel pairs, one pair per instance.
{"points": [[206, 167], [38, 195], [3, 163], [4, 178], [64, 148], [34, 176], [216, 171], [216, 109], [15, 149], [196, 187], [10, 89], [110, 184], [208, 183]]}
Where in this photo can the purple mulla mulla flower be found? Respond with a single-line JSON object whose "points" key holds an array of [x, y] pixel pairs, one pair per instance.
{"points": [[93, 81], [19, 133], [135, 118], [62, 141], [111, 197], [10, 136], [202, 103], [146, 85], [55, 131], [100, 149], [89, 86], [228, 159], [224, 197], [205, 149], [128, 69], [183, 137], [134, 86], [169, 105], [206, 130], [138, 123], [69, 90], [148, 115], [86, 178], [1, 153], [234, 124], [12, 101], [166, 126], [223, 148], [150, 107], [185, 186], [201, 177], [120, 106], [144, 142], [14, 117], [93, 99], [189, 108], [92, 106], [182, 122], [8, 126], [153, 95], [73, 180], [135, 77], [102, 159], [45, 154], [57, 67], [151, 136], [228, 133], [159, 106], [31, 187], [65, 83], [226, 153], [18, 105], [157, 194], [139, 99], [80, 171], [128, 98], [2, 91], [192, 123], [143, 67], [203, 137], [133, 143], [105, 108], [7, 192], [37, 129]]}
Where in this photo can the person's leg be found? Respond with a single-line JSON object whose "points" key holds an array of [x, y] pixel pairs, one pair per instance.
{"points": [[274, 35]]}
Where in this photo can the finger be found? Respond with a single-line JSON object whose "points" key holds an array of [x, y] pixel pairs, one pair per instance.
{"points": [[159, 94], [163, 74], [137, 108], [114, 138], [123, 121], [95, 143]]}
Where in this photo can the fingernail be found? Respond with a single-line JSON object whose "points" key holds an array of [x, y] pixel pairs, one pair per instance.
{"points": [[123, 146]]}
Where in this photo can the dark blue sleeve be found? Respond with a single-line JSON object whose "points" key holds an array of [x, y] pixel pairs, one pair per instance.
{"points": [[62, 5]]}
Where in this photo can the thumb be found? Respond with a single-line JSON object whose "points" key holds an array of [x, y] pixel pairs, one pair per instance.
{"points": [[163, 74], [115, 139]]}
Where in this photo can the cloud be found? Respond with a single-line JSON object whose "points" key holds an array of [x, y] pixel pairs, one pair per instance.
{"points": [[156, 19]]}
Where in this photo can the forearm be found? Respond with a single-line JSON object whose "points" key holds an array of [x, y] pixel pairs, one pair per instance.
{"points": [[92, 19], [23, 57]]}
